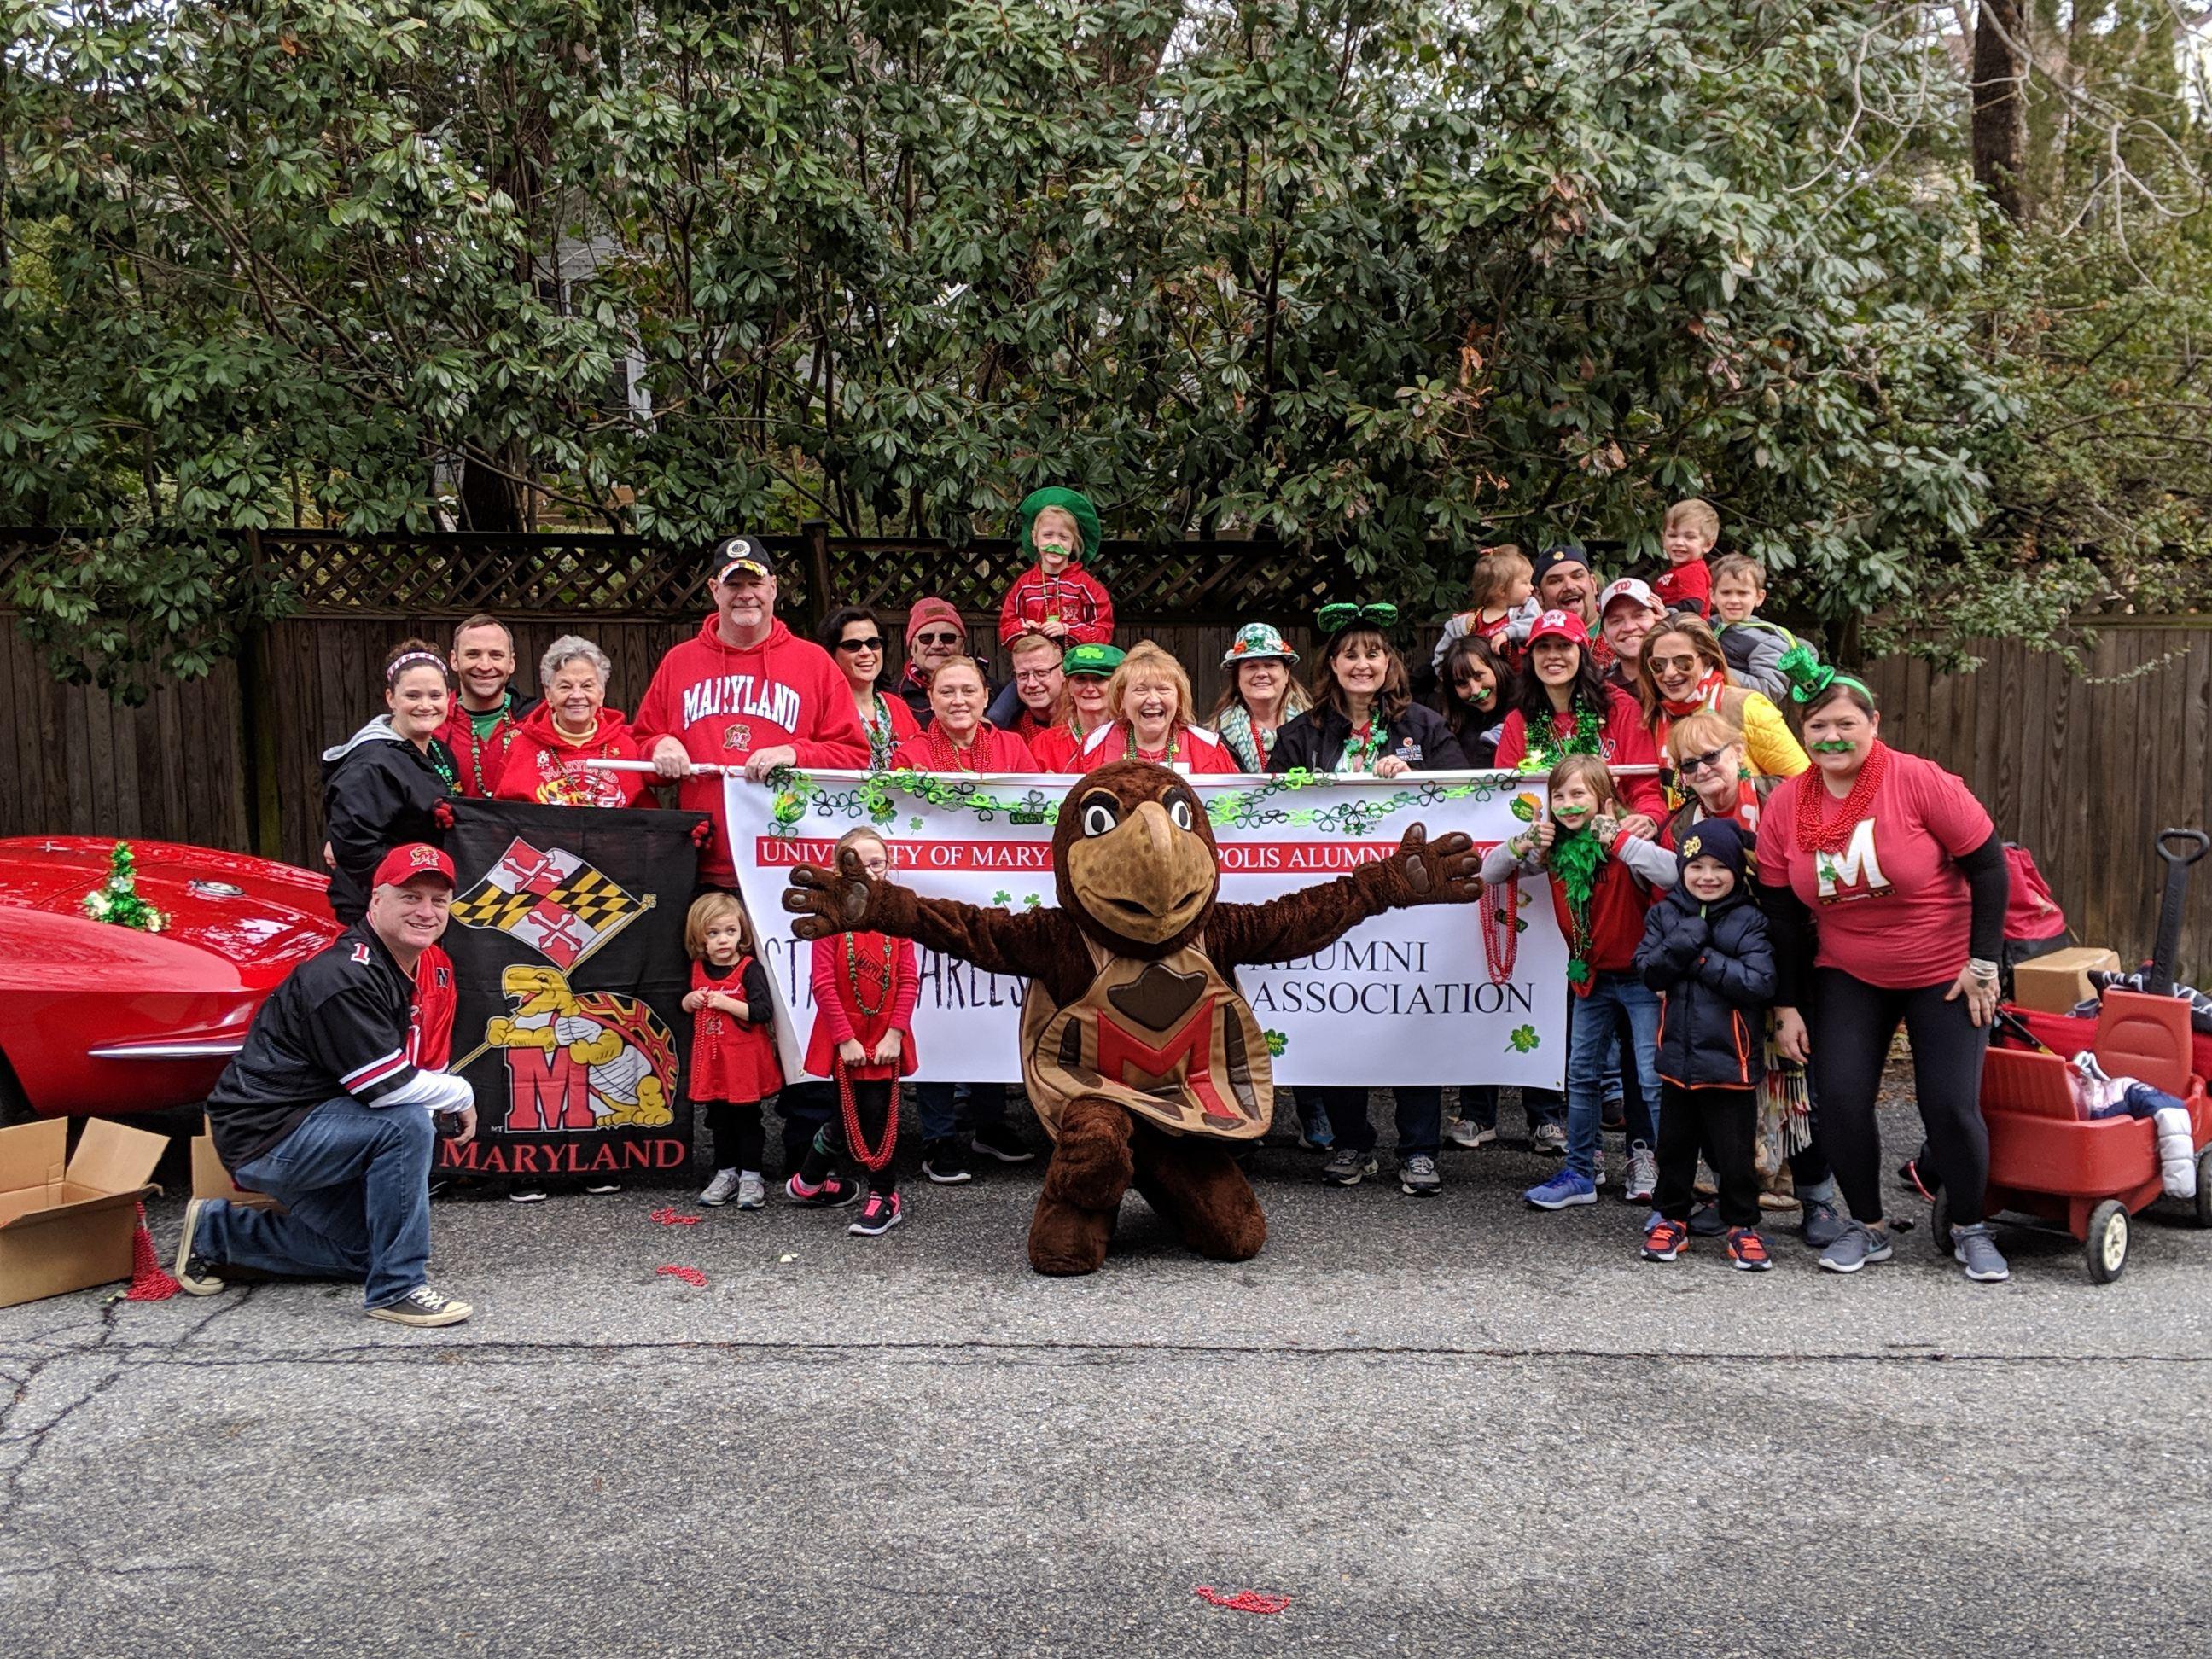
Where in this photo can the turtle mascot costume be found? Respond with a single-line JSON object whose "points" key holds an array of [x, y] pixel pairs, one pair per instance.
{"points": [[1139, 1054]]}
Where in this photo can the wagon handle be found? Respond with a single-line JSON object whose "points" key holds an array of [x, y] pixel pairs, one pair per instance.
{"points": [[2159, 981]]}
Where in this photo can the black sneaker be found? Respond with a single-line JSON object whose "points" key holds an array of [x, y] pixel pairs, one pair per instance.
{"points": [[997, 1140], [1346, 1168], [832, 1194], [1613, 1116], [944, 1162], [195, 1274], [1418, 1177], [601, 1187], [423, 1307], [882, 1213]]}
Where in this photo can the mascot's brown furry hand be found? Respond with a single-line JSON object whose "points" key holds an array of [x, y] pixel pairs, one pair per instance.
{"points": [[1139, 1053]]}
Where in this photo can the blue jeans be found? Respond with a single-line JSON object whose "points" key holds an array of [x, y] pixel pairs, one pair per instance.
{"points": [[1419, 1109], [941, 1115], [1591, 1023], [355, 1184]]}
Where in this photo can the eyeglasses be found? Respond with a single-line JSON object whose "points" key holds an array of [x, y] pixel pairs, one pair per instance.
{"points": [[1676, 665], [873, 642], [1692, 763], [937, 639], [1033, 676]]}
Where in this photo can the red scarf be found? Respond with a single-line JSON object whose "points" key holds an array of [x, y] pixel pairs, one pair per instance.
{"points": [[1817, 833], [1706, 694], [944, 754]]}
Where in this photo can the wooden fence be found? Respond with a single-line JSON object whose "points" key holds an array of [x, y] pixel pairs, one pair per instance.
{"points": [[2084, 770]]}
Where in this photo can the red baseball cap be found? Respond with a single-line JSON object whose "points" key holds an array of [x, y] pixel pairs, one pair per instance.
{"points": [[411, 861], [1559, 625]]}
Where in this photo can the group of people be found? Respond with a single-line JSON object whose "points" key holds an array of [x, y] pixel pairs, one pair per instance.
{"points": [[1752, 911]]}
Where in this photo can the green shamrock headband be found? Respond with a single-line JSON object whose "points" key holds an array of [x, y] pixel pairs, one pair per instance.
{"points": [[1335, 619]]}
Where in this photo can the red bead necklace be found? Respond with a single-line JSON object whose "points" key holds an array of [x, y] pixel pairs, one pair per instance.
{"points": [[1820, 834]]}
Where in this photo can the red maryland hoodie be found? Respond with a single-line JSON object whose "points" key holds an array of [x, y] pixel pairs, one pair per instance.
{"points": [[723, 702]]}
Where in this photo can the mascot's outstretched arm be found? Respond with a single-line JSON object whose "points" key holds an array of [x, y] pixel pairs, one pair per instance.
{"points": [[844, 901], [1421, 871]]}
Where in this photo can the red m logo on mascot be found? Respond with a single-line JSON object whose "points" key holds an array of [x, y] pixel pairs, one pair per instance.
{"points": [[1187, 1056]]}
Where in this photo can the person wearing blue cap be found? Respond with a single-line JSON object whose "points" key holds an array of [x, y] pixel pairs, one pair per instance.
{"points": [[1705, 950]]}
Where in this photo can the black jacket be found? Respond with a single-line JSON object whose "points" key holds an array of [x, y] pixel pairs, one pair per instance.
{"points": [[1315, 740], [1716, 969], [337, 1026], [379, 792]]}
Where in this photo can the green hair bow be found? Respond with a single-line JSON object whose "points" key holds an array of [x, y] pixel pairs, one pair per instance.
{"points": [[1809, 677], [1335, 619]]}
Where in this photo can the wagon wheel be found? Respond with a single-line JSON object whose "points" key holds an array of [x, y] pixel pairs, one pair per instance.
{"points": [[2105, 1248], [2204, 1188]]}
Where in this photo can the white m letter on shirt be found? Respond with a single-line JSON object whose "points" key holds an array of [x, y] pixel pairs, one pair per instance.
{"points": [[1855, 872]]}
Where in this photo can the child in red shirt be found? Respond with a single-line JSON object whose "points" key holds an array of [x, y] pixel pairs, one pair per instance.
{"points": [[1687, 584], [733, 1065], [1602, 879], [864, 987], [1056, 595]]}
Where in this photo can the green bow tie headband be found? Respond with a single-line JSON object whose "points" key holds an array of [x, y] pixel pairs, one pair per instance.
{"points": [[1335, 619], [1808, 676]]}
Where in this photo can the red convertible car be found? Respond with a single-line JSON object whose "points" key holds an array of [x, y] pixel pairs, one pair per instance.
{"points": [[98, 1018]]}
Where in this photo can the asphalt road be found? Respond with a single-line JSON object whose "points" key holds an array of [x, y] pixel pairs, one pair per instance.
{"points": [[1444, 1426]]}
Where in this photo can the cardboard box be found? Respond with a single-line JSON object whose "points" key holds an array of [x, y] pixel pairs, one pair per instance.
{"points": [[211, 1179], [2052, 984], [66, 1222]]}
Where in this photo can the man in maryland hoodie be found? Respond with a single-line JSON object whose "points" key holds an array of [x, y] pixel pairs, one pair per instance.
{"points": [[744, 690]]}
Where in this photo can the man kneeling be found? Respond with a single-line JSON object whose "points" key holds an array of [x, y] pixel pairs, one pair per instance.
{"points": [[325, 1112]]}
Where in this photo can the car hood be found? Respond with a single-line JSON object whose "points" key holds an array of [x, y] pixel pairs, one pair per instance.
{"points": [[261, 918]]}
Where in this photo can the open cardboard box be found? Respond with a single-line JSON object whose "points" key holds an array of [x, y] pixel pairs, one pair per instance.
{"points": [[66, 1222], [2053, 982], [211, 1179]]}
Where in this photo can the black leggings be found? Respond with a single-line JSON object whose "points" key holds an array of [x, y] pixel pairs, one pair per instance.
{"points": [[871, 1102], [1721, 1123], [1852, 1025], [738, 1139]]}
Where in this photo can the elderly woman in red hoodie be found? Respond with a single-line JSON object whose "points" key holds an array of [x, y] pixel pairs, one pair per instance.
{"points": [[545, 759]]}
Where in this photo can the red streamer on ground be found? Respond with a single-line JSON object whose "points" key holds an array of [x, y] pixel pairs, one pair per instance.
{"points": [[1243, 1600], [149, 1280], [667, 1216], [690, 1276]]}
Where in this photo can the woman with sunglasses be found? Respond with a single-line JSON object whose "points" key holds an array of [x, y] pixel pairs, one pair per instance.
{"points": [[1682, 669], [853, 639], [1364, 720]]}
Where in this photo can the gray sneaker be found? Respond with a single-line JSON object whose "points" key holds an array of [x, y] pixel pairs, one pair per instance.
{"points": [[1346, 1168], [1418, 1177], [1978, 1249], [1853, 1248], [1642, 1174], [720, 1190], [1822, 1223], [1465, 1132], [752, 1193], [1549, 1138]]}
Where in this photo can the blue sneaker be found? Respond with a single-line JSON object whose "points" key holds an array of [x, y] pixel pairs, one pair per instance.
{"points": [[1563, 1190]]}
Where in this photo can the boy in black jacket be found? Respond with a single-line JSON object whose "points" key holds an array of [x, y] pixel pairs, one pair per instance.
{"points": [[1705, 948]]}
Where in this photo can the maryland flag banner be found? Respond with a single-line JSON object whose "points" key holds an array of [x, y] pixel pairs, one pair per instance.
{"points": [[566, 939]]}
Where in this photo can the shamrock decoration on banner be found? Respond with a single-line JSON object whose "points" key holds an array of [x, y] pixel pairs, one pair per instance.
{"points": [[116, 900]]}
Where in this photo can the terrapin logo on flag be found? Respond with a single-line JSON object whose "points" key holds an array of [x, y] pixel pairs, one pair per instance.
{"points": [[554, 902]]}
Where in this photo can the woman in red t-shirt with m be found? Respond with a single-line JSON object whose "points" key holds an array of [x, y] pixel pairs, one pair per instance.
{"points": [[1885, 884]]}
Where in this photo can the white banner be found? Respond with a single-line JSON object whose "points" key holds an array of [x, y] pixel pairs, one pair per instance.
{"points": [[1413, 996]]}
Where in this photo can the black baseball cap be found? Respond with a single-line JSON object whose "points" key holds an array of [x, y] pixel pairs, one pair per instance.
{"points": [[739, 556], [1552, 557]]}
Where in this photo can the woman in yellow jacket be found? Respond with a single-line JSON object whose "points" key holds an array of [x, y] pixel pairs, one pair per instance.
{"points": [[1682, 669]]}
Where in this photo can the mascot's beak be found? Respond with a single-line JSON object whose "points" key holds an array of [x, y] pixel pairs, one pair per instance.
{"points": [[1145, 879]]}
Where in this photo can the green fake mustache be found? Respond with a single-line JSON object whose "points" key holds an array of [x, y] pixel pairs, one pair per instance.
{"points": [[1060, 547], [1572, 815], [1833, 746]]}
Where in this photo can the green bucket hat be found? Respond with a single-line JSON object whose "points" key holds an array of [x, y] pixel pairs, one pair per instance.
{"points": [[1071, 500], [1098, 661]]}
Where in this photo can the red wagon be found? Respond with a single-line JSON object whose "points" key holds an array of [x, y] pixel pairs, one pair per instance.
{"points": [[2089, 1175]]}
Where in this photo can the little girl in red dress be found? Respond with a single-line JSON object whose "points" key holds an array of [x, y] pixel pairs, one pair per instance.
{"points": [[865, 986], [734, 1064]]}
